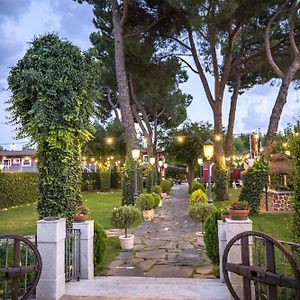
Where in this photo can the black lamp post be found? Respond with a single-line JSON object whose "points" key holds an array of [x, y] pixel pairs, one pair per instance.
{"points": [[208, 148], [200, 163], [152, 163], [135, 155]]}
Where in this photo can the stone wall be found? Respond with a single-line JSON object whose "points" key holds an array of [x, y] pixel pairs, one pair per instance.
{"points": [[277, 201]]}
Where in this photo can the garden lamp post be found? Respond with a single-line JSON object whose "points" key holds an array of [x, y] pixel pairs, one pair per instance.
{"points": [[200, 163], [135, 155], [208, 148], [152, 163]]}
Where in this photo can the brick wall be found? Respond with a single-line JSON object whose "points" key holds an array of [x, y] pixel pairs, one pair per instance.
{"points": [[277, 201]]}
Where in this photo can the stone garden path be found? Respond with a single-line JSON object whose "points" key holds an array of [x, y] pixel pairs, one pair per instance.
{"points": [[165, 246]]}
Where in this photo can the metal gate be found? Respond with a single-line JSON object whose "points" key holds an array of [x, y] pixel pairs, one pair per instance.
{"points": [[72, 254], [20, 267], [268, 270]]}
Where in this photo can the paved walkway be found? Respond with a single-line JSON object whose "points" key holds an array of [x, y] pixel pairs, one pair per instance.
{"points": [[165, 246]]}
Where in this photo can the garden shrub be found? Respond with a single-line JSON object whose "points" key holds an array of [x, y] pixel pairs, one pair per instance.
{"points": [[200, 211], [115, 181], [197, 197], [100, 244], [166, 186], [146, 201], [157, 189], [254, 181], [156, 199], [211, 239], [128, 182], [104, 180], [17, 188], [294, 146], [90, 181], [221, 180], [197, 185]]}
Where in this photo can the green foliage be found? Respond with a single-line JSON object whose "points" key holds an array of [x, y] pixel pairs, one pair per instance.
{"points": [[221, 179], [18, 188], [125, 217], [166, 186], [157, 189], [104, 174], [100, 244], [197, 185], [128, 182], [90, 181], [52, 101], [294, 146], [254, 181], [116, 180], [200, 211], [211, 239], [146, 201], [197, 197], [156, 199]]}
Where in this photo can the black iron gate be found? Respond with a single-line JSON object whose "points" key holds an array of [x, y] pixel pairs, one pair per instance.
{"points": [[267, 269], [20, 267], [72, 254]]}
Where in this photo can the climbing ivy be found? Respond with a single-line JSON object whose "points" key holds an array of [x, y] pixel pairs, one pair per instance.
{"points": [[51, 102], [221, 179]]}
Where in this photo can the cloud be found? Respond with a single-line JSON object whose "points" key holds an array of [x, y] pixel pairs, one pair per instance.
{"points": [[13, 9]]}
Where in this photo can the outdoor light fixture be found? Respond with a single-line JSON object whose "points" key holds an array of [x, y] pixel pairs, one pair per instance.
{"points": [[217, 137], [135, 155], [208, 149], [135, 152], [109, 140], [160, 163], [152, 161], [200, 161], [180, 139], [165, 165]]}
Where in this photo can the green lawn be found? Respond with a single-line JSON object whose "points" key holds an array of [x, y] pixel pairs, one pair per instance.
{"points": [[22, 220]]}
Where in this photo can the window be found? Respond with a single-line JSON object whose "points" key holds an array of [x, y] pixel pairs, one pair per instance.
{"points": [[16, 161], [26, 162], [6, 162]]}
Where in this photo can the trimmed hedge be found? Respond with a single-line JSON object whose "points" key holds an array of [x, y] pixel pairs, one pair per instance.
{"points": [[100, 244], [18, 188], [196, 185], [90, 181], [105, 180]]}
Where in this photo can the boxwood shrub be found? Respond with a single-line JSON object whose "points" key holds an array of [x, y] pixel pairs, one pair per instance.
{"points": [[166, 186], [18, 188], [197, 197], [197, 185]]}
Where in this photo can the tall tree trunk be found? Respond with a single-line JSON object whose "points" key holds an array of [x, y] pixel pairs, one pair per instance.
{"points": [[278, 106], [218, 142], [191, 174], [231, 119], [126, 114]]}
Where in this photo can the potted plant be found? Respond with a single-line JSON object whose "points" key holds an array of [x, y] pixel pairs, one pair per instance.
{"points": [[199, 213], [157, 200], [166, 186], [125, 217], [146, 204], [239, 210], [80, 213], [225, 214]]}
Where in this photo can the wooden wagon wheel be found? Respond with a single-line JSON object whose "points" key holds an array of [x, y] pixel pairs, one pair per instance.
{"points": [[268, 275], [17, 270]]}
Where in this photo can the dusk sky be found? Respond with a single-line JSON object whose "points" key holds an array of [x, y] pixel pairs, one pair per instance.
{"points": [[21, 20]]}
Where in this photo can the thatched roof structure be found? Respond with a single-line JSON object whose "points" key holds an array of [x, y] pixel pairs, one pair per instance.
{"points": [[280, 164]]}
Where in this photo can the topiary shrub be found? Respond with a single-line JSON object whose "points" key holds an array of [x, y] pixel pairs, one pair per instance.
{"points": [[157, 189], [221, 179], [200, 212], [171, 180], [196, 185], [18, 188], [100, 244], [166, 186], [156, 199], [254, 181], [145, 201], [197, 197], [125, 217], [211, 239]]}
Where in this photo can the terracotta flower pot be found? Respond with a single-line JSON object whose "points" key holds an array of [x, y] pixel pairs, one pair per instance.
{"points": [[79, 218], [126, 242], [237, 214], [148, 214]]}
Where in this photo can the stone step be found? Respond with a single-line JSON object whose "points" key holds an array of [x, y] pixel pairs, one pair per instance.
{"points": [[146, 288]]}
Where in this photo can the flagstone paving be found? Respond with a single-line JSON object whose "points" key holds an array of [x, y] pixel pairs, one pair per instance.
{"points": [[166, 246]]}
